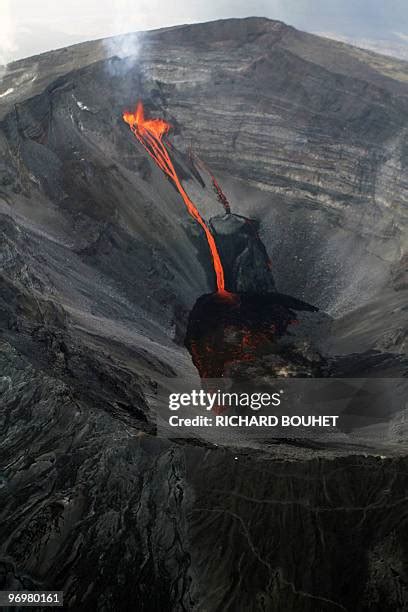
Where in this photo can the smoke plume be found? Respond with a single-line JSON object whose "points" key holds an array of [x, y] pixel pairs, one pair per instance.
{"points": [[8, 43], [124, 45]]}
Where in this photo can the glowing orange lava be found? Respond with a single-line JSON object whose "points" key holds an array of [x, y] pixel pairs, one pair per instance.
{"points": [[150, 133]]}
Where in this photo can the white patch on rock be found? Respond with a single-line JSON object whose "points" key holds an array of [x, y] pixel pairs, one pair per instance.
{"points": [[7, 92], [82, 106]]}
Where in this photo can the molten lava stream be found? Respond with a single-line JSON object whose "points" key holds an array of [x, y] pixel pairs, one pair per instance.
{"points": [[150, 133]]}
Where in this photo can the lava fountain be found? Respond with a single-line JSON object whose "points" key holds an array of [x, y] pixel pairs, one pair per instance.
{"points": [[150, 133]]}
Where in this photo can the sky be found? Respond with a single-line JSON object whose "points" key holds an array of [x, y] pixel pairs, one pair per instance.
{"points": [[28, 27]]}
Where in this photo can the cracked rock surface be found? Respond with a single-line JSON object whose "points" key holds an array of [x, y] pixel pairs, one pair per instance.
{"points": [[100, 266]]}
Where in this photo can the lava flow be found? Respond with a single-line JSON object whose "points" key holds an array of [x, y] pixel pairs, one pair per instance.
{"points": [[216, 186], [150, 133]]}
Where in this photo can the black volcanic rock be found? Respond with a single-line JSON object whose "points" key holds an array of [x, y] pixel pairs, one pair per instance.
{"points": [[101, 265], [246, 264], [224, 328]]}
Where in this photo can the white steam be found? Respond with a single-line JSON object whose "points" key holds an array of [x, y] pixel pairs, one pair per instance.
{"points": [[8, 43], [124, 45]]}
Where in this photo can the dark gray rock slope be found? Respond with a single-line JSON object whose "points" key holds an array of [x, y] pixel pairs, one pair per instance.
{"points": [[100, 266]]}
